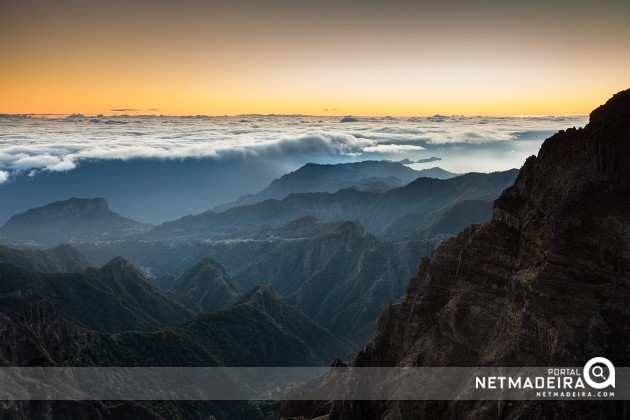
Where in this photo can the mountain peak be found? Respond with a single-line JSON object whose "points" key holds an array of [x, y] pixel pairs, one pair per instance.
{"points": [[208, 284], [119, 267], [97, 203], [581, 162], [79, 204], [261, 290], [260, 295], [209, 262], [616, 108], [610, 147], [72, 220]]}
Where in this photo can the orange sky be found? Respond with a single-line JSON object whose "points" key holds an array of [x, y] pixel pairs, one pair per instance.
{"points": [[361, 58]]}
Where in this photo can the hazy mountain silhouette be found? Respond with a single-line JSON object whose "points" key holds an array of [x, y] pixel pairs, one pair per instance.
{"points": [[73, 220], [392, 214], [368, 175]]}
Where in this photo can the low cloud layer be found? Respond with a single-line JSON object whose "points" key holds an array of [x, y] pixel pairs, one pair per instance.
{"points": [[427, 160], [28, 145]]}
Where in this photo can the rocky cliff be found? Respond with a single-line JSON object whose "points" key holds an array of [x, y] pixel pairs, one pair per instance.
{"points": [[545, 283]]}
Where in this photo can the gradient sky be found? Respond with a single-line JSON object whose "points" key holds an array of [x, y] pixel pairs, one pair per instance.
{"points": [[323, 58]]}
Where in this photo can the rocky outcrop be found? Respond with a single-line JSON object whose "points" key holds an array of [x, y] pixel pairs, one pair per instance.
{"points": [[546, 283]]}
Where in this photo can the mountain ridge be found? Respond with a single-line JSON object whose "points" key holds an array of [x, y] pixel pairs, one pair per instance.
{"points": [[313, 177], [376, 211], [209, 339]]}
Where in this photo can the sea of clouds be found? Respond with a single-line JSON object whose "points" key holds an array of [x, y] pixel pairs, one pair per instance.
{"points": [[30, 145]]}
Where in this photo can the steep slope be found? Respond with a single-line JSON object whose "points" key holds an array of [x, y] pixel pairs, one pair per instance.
{"points": [[314, 177], [258, 331], [113, 298], [73, 220], [62, 259], [376, 211], [208, 284], [545, 283]]}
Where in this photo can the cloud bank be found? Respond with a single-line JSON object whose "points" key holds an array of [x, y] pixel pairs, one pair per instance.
{"points": [[29, 145]]}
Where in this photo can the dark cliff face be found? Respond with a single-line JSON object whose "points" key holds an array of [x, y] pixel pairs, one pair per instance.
{"points": [[508, 291], [545, 283]]}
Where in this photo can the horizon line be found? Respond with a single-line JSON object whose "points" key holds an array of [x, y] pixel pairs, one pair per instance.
{"points": [[437, 115]]}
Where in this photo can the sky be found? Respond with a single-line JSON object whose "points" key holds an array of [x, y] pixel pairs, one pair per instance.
{"points": [[400, 58]]}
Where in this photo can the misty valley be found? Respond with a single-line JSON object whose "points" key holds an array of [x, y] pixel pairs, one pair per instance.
{"points": [[338, 257]]}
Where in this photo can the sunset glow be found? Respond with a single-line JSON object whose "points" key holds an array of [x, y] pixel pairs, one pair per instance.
{"points": [[364, 59]]}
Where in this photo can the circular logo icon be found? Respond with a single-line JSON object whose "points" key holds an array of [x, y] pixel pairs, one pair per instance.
{"points": [[593, 370]]}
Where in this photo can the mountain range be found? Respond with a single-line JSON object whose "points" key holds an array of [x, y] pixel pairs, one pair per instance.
{"points": [[97, 318], [258, 330], [546, 282], [391, 214], [113, 298], [336, 272], [375, 176]]}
